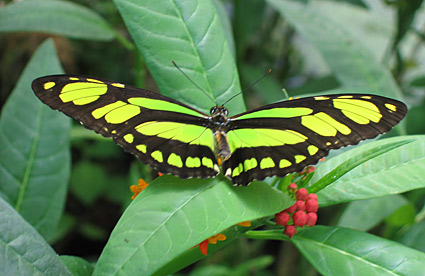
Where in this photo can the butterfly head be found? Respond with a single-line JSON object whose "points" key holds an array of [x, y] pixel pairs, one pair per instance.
{"points": [[219, 114]]}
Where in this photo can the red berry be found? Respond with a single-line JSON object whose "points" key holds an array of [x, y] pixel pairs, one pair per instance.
{"points": [[292, 186], [282, 218], [311, 205], [312, 196], [301, 194], [299, 218], [290, 230], [291, 209], [300, 205], [311, 219]]}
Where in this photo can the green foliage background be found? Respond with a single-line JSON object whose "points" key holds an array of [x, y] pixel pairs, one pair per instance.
{"points": [[64, 189]]}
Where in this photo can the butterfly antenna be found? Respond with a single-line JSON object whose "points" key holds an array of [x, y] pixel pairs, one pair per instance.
{"points": [[249, 87], [194, 83]]}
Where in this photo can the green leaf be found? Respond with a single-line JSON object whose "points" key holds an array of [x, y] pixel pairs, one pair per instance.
{"points": [[55, 17], [173, 215], [353, 65], [226, 24], [342, 251], [189, 33], [365, 214], [268, 88], [34, 143], [78, 266], [88, 181], [414, 237], [353, 162], [396, 171], [22, 250]]}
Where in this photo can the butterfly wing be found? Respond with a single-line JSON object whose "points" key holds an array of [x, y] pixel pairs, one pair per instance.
{"points": [[285, 137], [164, 133]]}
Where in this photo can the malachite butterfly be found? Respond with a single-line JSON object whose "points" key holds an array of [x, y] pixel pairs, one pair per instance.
{"points": [[174, 138]]}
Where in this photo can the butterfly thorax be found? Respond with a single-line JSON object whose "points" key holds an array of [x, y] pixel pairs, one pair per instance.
{"points": [[219, 122]]}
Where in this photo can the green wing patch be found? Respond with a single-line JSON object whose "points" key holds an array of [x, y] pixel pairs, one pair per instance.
{"points": [[285, 137], [168, 135]]}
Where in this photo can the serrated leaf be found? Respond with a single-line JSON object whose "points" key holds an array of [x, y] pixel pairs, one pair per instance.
{"points": [[55, 17], [22, 250], [399, 170], [343, 251], [34, 145], [364, 214], [173, 215], [189, 33], [353, 65]]}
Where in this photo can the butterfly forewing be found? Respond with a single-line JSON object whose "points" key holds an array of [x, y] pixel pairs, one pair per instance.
{"points": [[276, 139], [285, 137], [168, 135]]}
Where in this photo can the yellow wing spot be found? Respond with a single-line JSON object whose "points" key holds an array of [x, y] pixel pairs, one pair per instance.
{"points": [[48, 85], [250, 164], [328, 143], [321, 98], [193, 162], [94, 80], [102, 111], [359, 111], [299, 158], [216, 168], [141, 148], [175, 160], [207, 162], [366, 97], [324, 125], [391, 107], [86, 100], [73, 78], [157, 155], [114, 132], [78, 90], [266, 163], [122, 114], [345, 97], [237, 171], [312, 149], [283, 163], [119, 85], [290, 99], [129, 138]]}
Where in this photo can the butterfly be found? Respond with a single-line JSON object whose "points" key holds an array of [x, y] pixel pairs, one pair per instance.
{"points": [[174, 138]]}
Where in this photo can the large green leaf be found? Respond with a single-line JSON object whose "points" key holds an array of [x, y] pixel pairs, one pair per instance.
{"points": [[34, 145], [342, 251], [364, 214], [173, 215], [55, 17], [353, 65], [189, 33], [22, 250], [398, 170]]}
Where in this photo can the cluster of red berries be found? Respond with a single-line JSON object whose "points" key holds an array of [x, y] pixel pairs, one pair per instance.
{"points": [[303, 212]]}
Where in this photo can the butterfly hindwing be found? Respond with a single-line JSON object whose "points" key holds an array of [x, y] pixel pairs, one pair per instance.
{"points": [[168, 135], [285, 137]]}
